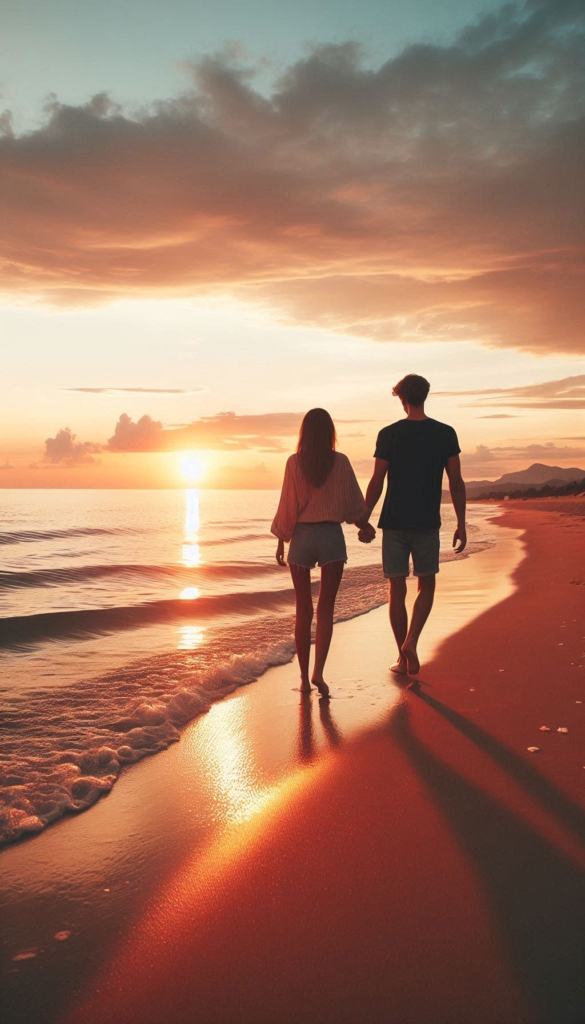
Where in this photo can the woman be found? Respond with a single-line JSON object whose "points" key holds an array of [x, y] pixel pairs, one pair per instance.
{"points": [[319, 493]]}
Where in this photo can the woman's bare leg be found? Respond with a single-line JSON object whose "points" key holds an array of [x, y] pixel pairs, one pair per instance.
{"points": [[331, 574], [301, 577]]}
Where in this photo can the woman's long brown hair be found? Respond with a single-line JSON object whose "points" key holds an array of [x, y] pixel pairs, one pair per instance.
{"points": [[316, 447]]}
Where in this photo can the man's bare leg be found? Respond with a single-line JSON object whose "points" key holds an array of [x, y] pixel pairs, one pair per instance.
{"points": [[399, 619], [420, 613]]}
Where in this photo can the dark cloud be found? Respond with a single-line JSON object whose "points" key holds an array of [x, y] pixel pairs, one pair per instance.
{"points": [[436, 197], [225, 431], [138, 391], [64, 449], [568, 393]]}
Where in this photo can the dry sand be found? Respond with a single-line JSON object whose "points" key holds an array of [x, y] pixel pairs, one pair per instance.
{"points": [[431, 871]]}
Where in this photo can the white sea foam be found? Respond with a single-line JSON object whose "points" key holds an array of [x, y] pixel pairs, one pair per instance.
{"points": [[41, 787]]}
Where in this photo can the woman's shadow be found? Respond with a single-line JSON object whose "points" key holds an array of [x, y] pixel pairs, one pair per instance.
{"points": [[307, 749], [536, 892]]}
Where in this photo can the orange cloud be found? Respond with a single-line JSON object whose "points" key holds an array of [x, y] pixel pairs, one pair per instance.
{"points": [[225, 431], [64, 449], [438, 197]]}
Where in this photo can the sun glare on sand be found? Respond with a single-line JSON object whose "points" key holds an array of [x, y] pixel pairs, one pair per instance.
{"points": [[192, 467]]}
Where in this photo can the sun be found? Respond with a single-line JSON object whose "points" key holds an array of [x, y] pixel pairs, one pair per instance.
{"points": [[192, 467]]}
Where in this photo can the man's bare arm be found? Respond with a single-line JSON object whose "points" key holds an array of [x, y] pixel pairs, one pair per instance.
{"points": [[375, 487], [376, 484], [458, 497]]}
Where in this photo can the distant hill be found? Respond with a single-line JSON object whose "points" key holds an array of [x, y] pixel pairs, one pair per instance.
{"points": [[537, 474], [541, 474]]}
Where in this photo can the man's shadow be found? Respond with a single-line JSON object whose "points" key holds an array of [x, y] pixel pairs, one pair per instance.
{"points": [[568, 813], [536, 892]]}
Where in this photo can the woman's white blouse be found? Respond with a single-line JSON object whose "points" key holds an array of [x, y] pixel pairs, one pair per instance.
{"points": [[339, 500]]}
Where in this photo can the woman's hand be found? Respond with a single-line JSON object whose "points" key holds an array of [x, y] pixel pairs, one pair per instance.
{"points": [[280, 553], [367, 534]]}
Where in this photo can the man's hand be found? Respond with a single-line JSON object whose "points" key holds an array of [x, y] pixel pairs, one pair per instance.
{"points": [[280, 553], [367, 534], [461, 536]]}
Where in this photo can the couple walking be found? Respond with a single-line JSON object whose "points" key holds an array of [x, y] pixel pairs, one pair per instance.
{"points": [[320, 491]]}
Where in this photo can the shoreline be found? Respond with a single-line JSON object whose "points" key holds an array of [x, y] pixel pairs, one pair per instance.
{"points": [[362, 917], [200, 661]]}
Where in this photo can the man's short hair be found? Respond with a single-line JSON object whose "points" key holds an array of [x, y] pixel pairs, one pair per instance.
{"points": [[412, 389]]}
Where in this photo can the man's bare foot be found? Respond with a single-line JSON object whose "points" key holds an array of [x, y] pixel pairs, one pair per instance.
{"points": [[321, 686], [399, 666], [412, 662]]}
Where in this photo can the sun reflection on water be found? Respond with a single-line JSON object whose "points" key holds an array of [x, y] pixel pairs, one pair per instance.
{"points": [[190, 637], [231, 766], [191, 553]]}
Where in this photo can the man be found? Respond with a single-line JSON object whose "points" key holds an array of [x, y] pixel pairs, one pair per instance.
{"points": [[413, 453]]}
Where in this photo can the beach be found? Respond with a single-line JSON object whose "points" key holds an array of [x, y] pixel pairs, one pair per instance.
{"points": [[398, 854]]}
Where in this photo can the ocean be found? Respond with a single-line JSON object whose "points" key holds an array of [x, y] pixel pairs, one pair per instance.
{"points": [[125, 614]]}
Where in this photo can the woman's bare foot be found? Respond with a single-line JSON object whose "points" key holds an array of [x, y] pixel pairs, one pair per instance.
{"points": [[321, 686], [305, 686], [399, 666], [412, 662]]}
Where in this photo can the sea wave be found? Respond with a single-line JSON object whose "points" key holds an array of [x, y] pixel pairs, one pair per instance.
{"points": [[64, 576], [234, 538], [65, 746], [23, 631], [30, 536], [20, 631]]}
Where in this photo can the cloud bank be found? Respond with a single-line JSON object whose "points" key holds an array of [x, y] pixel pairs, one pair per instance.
{"points": [[65, 450], [137, 391], [534, 452], [438, 196], [568, 393], [225, 431]]}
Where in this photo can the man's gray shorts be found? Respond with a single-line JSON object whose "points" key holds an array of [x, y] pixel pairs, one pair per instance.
{"points": [[399, 545]]}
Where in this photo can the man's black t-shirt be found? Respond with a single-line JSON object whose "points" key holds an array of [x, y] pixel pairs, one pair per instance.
{"points": [[417, 451]]}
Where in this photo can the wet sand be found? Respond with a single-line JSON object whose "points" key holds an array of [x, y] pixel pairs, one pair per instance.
{"points": [[430, 870]]}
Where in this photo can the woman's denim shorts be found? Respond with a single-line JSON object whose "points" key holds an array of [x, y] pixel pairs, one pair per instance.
{"points": [[317, 544]]}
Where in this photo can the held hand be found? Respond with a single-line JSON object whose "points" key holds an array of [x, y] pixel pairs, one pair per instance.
{"points": [[280, 553], [367, 534], [461, 536]]}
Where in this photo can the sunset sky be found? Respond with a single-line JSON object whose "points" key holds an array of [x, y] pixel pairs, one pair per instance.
{"points": [[215, 216]]}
